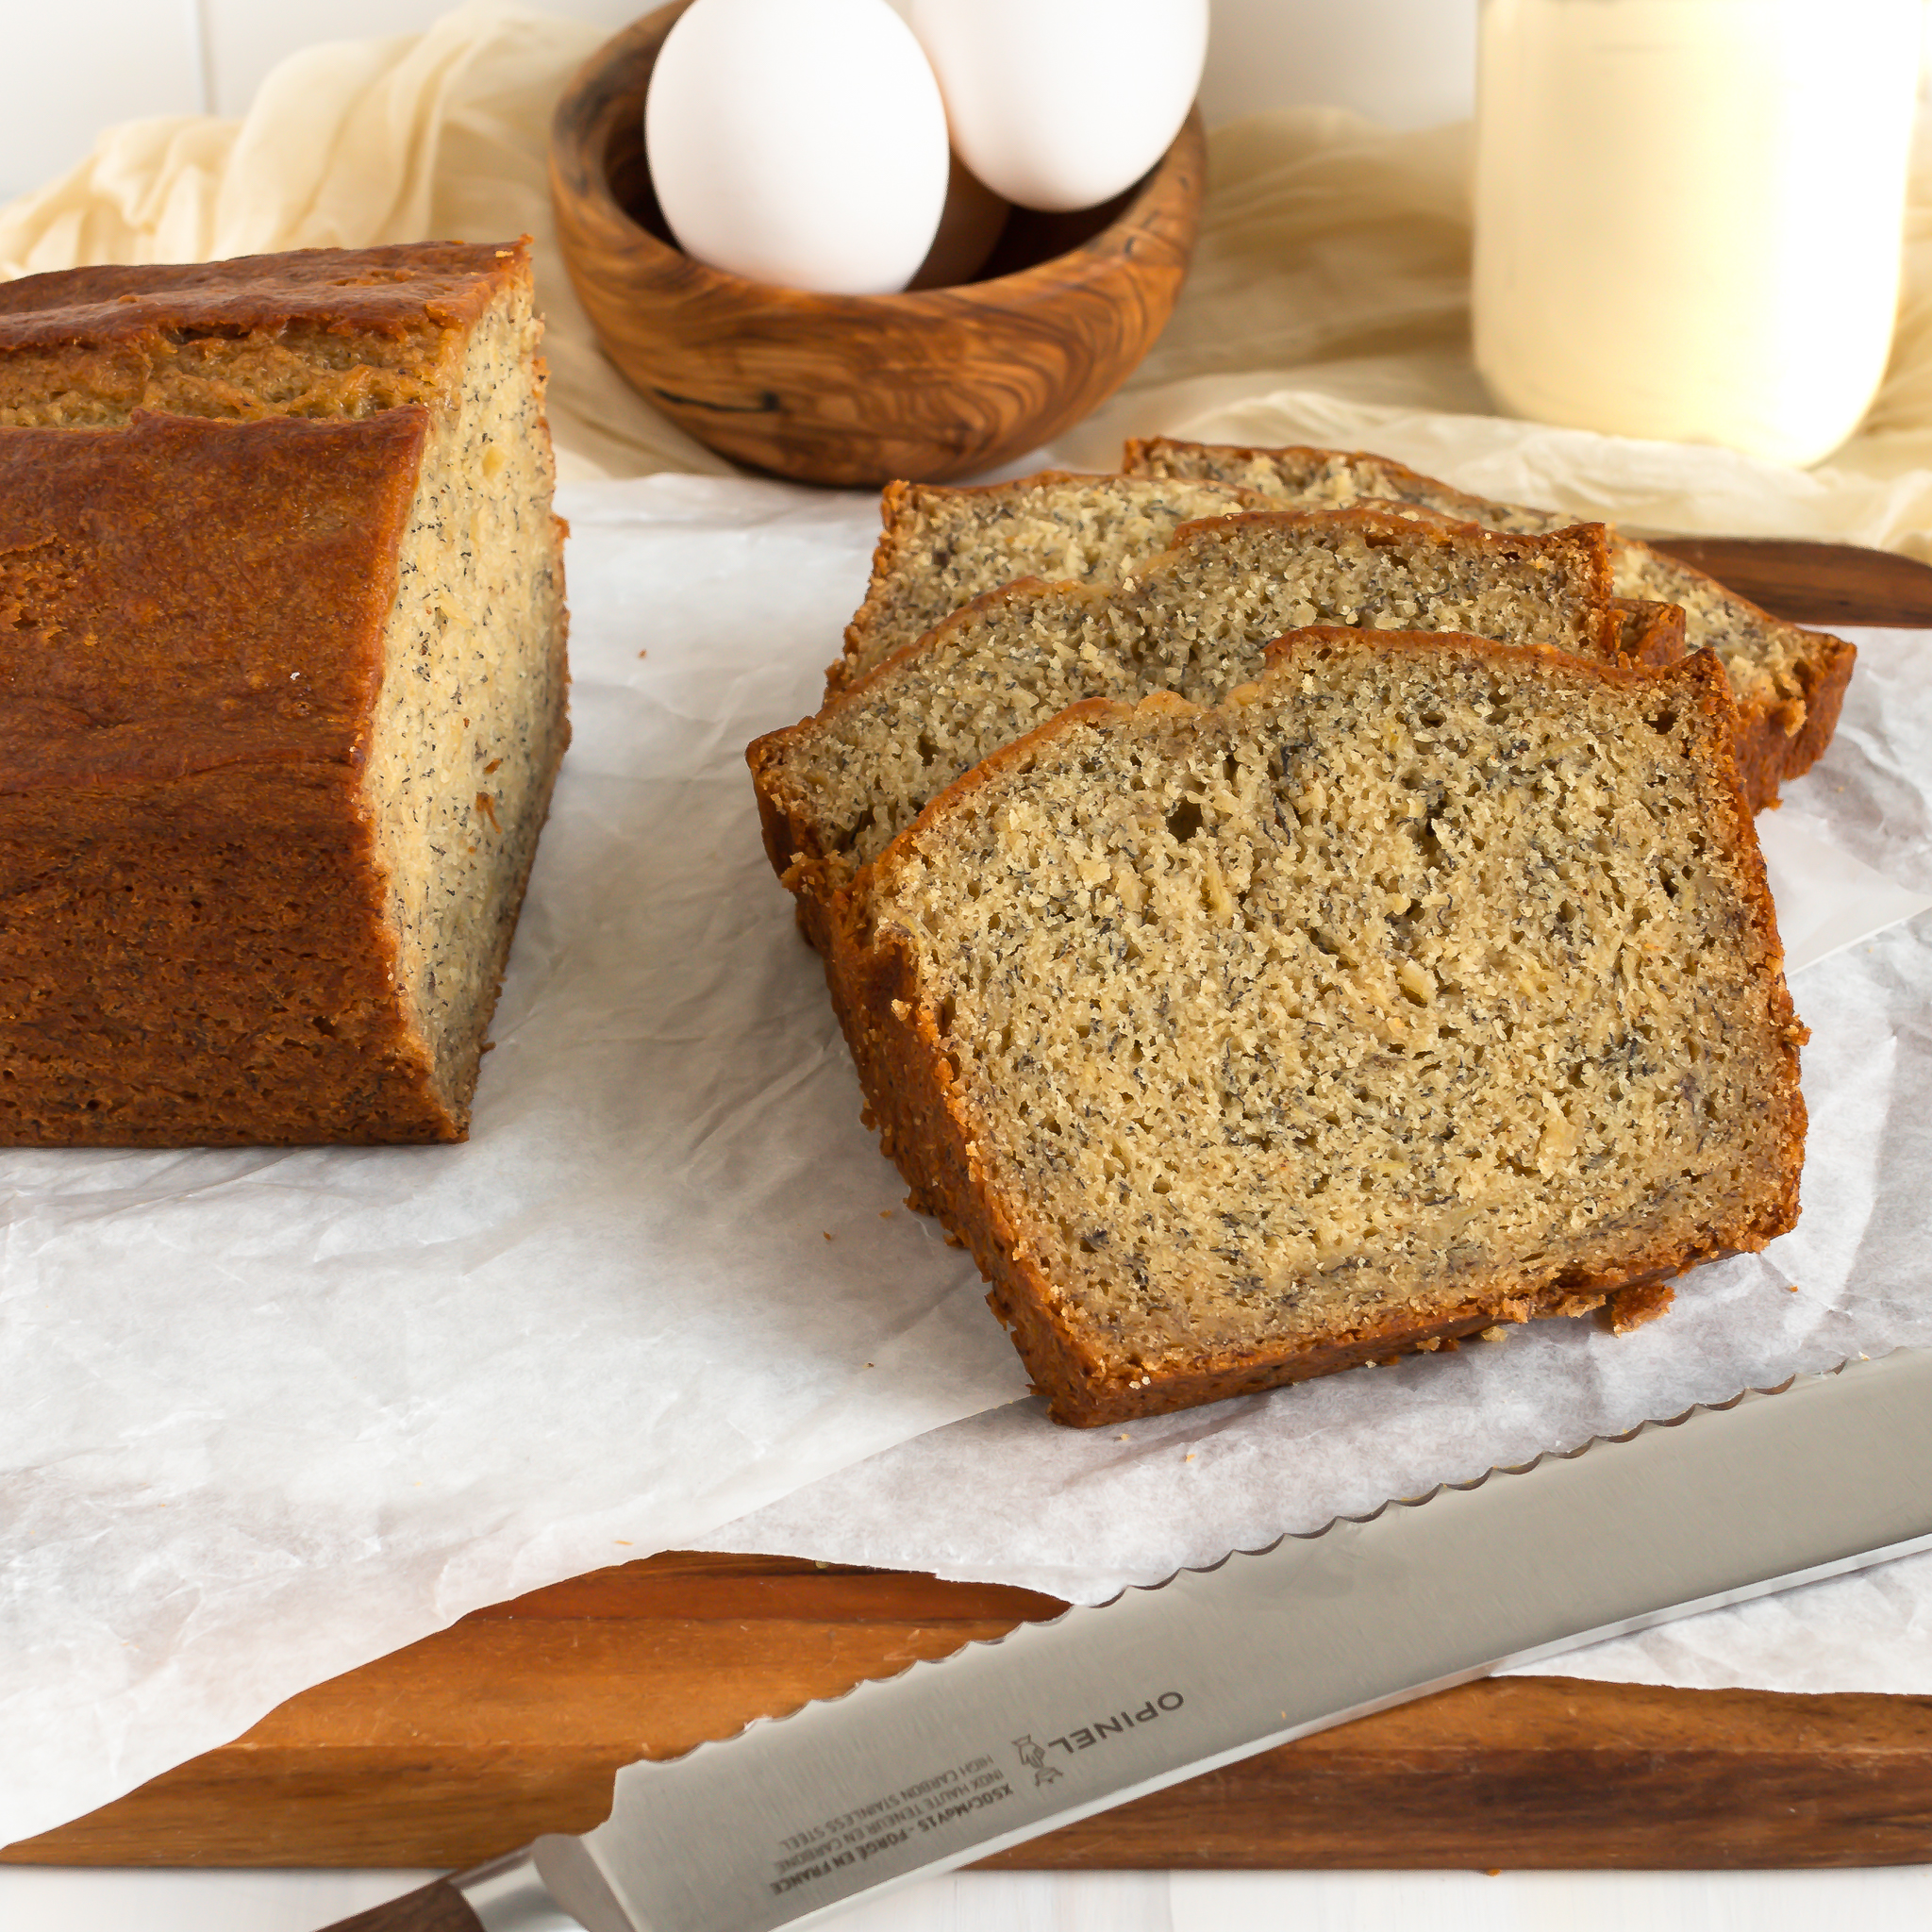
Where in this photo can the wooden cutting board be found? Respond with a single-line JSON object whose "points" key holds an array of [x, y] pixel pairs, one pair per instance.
{"points": [[512, 1721]]}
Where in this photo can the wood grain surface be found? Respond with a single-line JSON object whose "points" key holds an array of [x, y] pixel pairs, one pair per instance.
{"points": [[1821, 584], [857, 390], [512, 1721]]}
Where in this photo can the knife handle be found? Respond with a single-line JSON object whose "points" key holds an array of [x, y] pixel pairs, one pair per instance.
{"points": [[438, 1907]]}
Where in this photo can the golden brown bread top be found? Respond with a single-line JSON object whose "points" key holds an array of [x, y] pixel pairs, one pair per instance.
{"points": [[326, 332], [179, 594], [390, 292]]}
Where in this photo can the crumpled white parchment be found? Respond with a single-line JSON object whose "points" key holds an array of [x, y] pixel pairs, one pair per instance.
{"points": [[272, 1413]]}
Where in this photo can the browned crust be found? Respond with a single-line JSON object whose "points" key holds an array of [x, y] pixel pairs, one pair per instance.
{"points": [[194, 942], [182, 593], [1777, 739], [898, 1046], [900, 507], [324, 333], [385, 291], [1824, 674], [204, 960], [792, 842], [1650, 633], [1783, 737]]}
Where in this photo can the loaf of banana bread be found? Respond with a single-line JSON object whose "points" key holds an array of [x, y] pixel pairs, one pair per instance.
{"points": [[284, 695]]}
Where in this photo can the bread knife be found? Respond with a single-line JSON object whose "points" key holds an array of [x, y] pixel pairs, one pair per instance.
{"points": [[798, 1817]]}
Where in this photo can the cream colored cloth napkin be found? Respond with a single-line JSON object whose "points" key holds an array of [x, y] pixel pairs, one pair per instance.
{"points": [[1328, 300]]}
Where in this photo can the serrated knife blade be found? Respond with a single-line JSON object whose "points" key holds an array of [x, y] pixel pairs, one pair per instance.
{"points": [[796, 1818]]}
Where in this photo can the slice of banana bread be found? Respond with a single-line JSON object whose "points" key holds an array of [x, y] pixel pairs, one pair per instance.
{"points": [[1790, 683], [285, 694], [835, 789], [942, 548], [1425, 984]]}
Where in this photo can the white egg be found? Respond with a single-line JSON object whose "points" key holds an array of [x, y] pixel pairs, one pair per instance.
{"points": [[1060, 104], [798, 141]]}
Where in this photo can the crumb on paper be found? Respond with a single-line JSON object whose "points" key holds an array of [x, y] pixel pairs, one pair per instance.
{"points": [[885, 1213], [1631, 1307], [828, 1234], [644, 654], [622, 1542], [1497, 1333]]}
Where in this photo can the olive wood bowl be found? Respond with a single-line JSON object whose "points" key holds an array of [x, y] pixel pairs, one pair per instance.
{"points": [[856, 390]]}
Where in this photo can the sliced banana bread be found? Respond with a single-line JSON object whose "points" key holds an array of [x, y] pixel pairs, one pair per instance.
{"points": [[835, 789], [1425, 984], [942, 548], [1790, 683]]}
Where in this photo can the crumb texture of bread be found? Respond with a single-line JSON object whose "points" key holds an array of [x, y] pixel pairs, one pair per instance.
{"points": [[1196, 621], [1422, 986], [942, 547], [1790, 682], [287, 695], [470, 728]]}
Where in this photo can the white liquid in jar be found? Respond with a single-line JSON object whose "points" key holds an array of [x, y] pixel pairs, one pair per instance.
{"points": [[1689, 213]]}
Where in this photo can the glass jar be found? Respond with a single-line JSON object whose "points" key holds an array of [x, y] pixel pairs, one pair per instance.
{"points": [[1689, 213]]}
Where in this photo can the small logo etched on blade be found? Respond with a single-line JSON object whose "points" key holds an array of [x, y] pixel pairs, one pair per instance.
{"points": [[1034, 1758]]}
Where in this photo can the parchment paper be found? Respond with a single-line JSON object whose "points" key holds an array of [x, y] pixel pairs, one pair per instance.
{"points": [[273, 1414]]}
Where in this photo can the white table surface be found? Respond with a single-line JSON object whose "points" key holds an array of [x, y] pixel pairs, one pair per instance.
{"points": [[1874, 1901], [1408, 61]]}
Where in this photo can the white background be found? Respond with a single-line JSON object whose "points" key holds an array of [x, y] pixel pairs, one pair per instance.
{"points": [[1407, 63]]}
